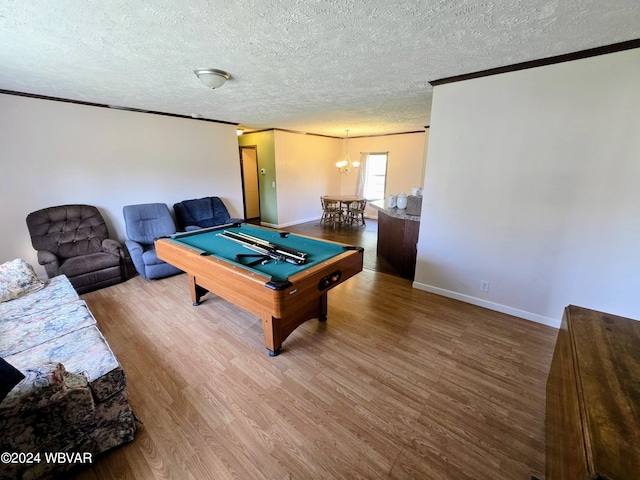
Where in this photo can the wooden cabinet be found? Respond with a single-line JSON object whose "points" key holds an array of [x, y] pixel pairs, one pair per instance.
{"points": [[593, 398], [398, 243]]}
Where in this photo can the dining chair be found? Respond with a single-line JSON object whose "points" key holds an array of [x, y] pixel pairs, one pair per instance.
{"points": [[331, 212], [355, 212]]}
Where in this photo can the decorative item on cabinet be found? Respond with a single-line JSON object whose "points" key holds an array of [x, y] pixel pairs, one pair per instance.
{"points": [[402, 201], [414, 205]]}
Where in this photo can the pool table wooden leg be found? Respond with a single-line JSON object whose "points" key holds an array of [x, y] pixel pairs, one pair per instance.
{"points": [[197, 292], [322, 313], [272, 334], [276, 330]]}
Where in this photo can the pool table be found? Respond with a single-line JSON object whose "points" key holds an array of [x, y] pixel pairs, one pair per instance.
{"points": [[283, 294]]}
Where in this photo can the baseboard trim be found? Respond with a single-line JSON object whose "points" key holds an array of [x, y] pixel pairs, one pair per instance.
{"points": [[285, 225], [267, 224], [533, 317]]}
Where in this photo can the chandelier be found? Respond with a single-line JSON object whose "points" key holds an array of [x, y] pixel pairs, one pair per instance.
{"points": [[345, 165]]}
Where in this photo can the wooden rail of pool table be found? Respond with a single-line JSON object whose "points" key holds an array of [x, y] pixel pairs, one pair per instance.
{"points": [[281, 311]]}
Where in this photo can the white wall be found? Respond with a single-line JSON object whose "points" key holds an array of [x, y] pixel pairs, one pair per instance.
{"points": [[305, 170], [55, 153], [405, 164], [532, 185]]}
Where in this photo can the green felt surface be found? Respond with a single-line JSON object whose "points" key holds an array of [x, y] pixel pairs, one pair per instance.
{"points": [[211, 242]]}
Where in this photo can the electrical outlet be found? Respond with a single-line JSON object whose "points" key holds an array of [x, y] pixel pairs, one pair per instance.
{"points": [[484, 285]]}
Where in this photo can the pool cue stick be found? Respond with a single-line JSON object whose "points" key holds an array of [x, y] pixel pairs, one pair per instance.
{"points": [[277, 252]]}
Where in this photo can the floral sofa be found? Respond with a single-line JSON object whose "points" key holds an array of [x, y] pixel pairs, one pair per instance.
{"points": [[62, 388]]}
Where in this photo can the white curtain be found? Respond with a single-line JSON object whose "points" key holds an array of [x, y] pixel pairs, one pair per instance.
{"points": [[362, 175]]}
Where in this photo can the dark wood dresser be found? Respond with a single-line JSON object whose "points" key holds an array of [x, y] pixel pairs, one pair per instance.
{"points": [[593, 398]]}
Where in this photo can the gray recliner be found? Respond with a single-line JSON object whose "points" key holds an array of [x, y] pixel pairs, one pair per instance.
{"points": [[145, 223], [73, 240]]}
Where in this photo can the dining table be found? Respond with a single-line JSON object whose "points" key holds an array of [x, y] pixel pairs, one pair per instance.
{"points": [[345, 201], [344, 198]]}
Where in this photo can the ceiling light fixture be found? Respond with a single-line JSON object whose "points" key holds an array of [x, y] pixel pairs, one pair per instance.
{"points": [[345, 165], [212, 77]]}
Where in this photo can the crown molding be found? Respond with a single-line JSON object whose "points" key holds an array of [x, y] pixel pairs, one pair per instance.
{"points": [[111, 107], [568, 57]]}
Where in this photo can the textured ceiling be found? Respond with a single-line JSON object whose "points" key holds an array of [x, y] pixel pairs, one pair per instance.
{"points": [[305, 65]]}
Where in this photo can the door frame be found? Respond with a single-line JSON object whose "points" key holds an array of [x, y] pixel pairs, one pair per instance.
{"points": [[242, 178]]}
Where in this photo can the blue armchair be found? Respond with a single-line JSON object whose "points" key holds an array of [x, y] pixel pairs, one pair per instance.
{"points": [[145, 223], [202, 213]]}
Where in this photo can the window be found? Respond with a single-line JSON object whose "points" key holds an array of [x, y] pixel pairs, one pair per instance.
{"points": [[375, 176]]}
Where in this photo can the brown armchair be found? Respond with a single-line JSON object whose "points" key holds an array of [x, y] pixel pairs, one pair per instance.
{"points": [[73, 240]]}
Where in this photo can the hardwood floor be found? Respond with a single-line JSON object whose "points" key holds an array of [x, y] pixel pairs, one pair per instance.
{"points": [[356, 235], [397, 384]]}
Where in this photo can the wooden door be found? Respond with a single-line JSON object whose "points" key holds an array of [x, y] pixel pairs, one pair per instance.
{"points": [[250, 183]]}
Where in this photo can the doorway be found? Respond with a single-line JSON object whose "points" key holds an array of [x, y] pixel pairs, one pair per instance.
{"points": [[250, 182]]}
